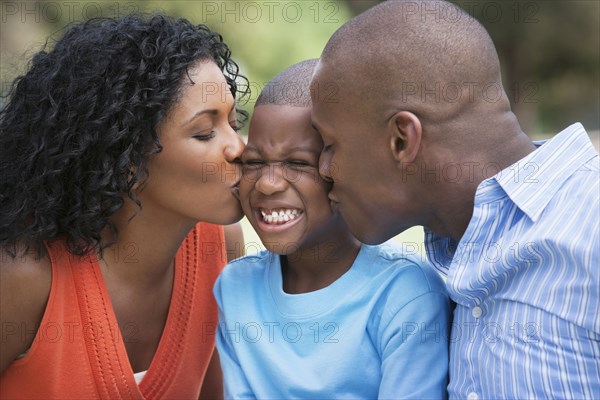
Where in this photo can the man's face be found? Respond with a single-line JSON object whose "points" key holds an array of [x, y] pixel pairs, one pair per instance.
{"points": [[357, 158]]}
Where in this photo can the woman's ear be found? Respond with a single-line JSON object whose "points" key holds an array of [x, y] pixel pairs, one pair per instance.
{"points": [[133, 169], [405, 136]]}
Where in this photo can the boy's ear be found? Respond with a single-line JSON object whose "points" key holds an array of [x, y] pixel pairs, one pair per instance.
{"points": [[405, 136]]}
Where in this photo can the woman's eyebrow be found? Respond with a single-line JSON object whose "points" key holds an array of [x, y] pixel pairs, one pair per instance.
{"points": [[210, 111], [199, 113]]}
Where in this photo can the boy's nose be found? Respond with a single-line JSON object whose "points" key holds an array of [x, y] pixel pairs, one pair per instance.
{"points": [[271, 180]]}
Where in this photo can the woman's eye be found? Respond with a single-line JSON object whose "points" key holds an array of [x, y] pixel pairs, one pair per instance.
{"points": [[205, 137]]}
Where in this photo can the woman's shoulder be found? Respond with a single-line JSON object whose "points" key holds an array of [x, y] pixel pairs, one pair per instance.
{"points": [[26, 277], [25, 281]]}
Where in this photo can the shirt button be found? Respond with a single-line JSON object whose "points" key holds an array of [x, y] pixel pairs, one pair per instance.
{"points": [[472, 396], [477, 312]]}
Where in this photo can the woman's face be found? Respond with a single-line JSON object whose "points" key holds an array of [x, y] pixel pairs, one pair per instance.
{"points": [[194, 177]]}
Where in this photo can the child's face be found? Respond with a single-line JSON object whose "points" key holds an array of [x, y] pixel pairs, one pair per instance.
{"points": [[281, 191]]}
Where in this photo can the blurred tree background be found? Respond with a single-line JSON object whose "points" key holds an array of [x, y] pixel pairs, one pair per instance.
{"points": [[549, 50], [265, 36], [550, 56]]}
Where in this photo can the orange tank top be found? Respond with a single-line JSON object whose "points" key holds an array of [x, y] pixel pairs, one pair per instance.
{"points": [[79, 353]]}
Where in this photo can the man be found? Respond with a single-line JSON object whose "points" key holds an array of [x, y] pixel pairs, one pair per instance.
{"points": [[419, 131]]}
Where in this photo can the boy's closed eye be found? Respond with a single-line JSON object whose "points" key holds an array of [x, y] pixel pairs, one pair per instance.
{"points": [[259, 163], [251, 168], [299, 164]]}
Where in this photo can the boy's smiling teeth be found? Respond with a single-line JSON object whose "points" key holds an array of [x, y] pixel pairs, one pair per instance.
{"points": [[281, 216]]}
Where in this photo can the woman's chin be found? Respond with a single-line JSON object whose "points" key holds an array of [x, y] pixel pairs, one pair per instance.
{"points": [[231, 218]]}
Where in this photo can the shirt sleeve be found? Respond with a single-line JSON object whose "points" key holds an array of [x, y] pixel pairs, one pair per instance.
{"points": [[414, 350], [235, 384]]}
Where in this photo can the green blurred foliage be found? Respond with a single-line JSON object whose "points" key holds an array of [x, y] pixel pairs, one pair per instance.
{"points": [[265, 36], [550, 56], [549, 50]]}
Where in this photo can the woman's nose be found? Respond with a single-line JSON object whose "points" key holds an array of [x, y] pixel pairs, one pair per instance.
{"points": [[235, 147]]}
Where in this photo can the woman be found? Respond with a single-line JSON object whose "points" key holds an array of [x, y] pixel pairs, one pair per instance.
{"points": [[114, 145]]}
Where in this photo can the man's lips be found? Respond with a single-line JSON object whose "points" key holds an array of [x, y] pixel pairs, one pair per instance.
{"points": [[333, 202], [332, 197]]}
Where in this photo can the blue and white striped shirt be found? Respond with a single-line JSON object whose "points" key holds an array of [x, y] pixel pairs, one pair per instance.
{"points": [[526, 278]]}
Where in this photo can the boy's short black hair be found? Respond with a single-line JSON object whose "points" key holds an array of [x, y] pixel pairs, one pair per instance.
{"points": [[291, 87]]}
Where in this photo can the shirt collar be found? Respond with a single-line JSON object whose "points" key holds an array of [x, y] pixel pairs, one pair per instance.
{"points": [[534, 180], [540, 175]]}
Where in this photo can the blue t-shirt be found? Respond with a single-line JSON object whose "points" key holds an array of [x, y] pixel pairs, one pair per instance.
{"points": [[379, 331]]}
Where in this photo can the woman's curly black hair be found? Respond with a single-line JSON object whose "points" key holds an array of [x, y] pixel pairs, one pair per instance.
{"points": [[84, 117]]}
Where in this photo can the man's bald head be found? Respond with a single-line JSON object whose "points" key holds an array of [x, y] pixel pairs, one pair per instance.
{"points": [[429, 56]]}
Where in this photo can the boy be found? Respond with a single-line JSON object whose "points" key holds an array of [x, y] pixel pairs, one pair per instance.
{"points": [[319, 315]]}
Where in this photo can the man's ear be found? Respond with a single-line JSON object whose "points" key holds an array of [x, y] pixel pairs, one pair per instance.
{"points": [[405, 136]]}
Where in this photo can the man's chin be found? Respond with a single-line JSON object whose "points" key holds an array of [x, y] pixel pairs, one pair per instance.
{"points": [[370, 235]]}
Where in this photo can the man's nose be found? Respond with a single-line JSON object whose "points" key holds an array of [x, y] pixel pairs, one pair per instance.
{"points": [[325, 167]]}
